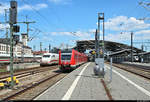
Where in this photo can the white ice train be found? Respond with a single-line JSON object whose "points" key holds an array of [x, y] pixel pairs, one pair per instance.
{"points": [[5, 58], [49, 59]]}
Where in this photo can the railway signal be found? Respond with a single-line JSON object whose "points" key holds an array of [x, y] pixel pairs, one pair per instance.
{"points": [[12, 20], [16, 28], [13, 12]]}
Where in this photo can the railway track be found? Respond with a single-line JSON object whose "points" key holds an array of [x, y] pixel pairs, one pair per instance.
{"points": [[35, 87], [27, 93], [140, 71], [19, 70], [28, 72]]}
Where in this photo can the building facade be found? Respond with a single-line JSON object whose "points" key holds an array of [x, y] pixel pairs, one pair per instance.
{"points": [[18, 48]]}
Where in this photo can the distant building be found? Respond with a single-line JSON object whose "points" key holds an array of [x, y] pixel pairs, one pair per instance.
{"points": [[17, 48], [39, 52]]}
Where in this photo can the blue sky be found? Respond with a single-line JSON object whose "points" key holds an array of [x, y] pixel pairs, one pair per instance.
{"points": [[56, 19]]}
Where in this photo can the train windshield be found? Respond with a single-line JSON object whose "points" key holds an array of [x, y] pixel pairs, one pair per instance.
{"points": [[46, 56], [66, 57]]}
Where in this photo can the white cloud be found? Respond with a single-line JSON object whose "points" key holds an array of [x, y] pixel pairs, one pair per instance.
{"points": [[55, 1], [29, 7], [126, 36], [123, 23], [3, 26], [92, 30], [142, 35], [3, 6], [60, 1], [62, 33], [143, 32], [78, 34], [118, 37], [45, 38]]}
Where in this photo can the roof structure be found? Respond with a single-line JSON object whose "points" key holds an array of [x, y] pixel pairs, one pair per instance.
{"points": [[144, 53], [122, 52], [109, 46]]}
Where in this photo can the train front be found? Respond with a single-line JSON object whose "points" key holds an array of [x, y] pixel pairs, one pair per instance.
{"points": [[45, 59], [65, 60]]}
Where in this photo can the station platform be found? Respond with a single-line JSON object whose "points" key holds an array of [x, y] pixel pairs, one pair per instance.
{"points": [[82, 84]]}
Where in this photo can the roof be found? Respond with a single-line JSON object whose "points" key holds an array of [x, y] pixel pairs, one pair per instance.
{"points": [[144, 53], [125, 51], [5, 41], [82, 45]]}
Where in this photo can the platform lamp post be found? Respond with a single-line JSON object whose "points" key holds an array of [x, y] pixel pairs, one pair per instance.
{"points": [[101, 17], [99, 68]]}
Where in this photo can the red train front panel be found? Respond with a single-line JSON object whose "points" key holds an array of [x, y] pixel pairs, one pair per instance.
{"points": [[70, 60]]}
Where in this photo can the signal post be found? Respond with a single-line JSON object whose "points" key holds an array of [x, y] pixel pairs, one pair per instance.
{"points": [[12, 21]]}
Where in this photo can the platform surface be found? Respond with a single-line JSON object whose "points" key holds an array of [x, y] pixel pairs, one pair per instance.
{"points": [[127, 86], [82, 84], [77, 86]]}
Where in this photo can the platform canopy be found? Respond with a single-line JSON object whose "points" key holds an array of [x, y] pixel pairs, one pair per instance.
{"points": [[82, 45]]}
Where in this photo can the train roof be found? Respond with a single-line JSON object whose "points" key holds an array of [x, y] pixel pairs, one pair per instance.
{"points": [[66, 51], [50, 54], [70, 51]]}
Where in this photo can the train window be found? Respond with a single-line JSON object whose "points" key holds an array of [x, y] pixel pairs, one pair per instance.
{"points": [[46, 56], [53, 56], [75, 56], [66, 57]]}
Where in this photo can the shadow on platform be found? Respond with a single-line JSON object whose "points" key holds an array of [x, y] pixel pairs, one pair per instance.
{"points": [[90, 76]]}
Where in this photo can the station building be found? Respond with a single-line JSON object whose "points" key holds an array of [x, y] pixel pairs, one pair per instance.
{"points": [[18, 48]]}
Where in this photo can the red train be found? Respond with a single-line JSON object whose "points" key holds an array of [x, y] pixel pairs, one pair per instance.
{"points": [[70, 59]]}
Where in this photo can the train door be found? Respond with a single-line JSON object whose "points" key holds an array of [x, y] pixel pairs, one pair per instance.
{"points": [[53, 59], [57, 58]]}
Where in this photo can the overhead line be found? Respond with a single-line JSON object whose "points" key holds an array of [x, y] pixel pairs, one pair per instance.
{"points": [[44, 18], [47, 20]]}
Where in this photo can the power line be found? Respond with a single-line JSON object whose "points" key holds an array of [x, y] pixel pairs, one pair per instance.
{"points": [[74, 34], [44, 18]]}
